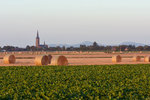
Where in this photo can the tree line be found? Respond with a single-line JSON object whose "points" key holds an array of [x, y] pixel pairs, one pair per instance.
{"points": [[93, 47]]}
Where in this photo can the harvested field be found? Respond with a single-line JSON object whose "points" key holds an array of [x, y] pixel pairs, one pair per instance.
{"points": [[97, 58]]}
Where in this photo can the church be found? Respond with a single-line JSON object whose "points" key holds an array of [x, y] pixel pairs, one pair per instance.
{"points": [[38, 45]]}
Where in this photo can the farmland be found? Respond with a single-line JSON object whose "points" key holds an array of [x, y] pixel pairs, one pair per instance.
{"points": [[75, 82], [76, 58]]}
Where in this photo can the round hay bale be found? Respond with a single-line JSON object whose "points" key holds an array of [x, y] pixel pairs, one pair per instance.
{"points": [[9, 59], [59, 60], [116, 58], [121, 52], [113, 52], [41, 60], [136, 58], [147, 59], [49, 59]]}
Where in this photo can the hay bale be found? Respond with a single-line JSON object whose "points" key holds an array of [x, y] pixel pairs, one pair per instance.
{"points": [[59, 60], [116, 58], [121, 52], [113, 52], [136, 58], [9, 59], [49, 58], [147, 59], [41, 60]]}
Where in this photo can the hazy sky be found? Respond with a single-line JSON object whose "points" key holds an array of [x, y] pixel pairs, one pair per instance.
{"points": [[74, 21]]}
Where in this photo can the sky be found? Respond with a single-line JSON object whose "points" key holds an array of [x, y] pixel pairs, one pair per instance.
{"points": [[74, 21]]}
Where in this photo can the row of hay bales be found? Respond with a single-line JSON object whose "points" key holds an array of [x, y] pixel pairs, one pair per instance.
{"points": [[62, 60], [40, 60], [118, 58], [52, 60]]}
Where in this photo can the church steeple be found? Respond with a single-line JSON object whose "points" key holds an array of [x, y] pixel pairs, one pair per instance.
{"points": [[37, 34], [37, 40]]}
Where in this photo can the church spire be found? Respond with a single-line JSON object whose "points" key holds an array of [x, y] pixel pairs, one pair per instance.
{"points": [[37, 34], [37, 40]]}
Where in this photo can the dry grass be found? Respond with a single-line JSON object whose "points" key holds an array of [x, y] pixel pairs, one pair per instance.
{"points": [[26, 59]]}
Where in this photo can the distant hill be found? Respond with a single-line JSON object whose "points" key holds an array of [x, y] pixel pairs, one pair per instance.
{"points": [[132, 43], [88, 43]]}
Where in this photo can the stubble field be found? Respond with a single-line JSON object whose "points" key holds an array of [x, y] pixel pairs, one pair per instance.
{"points": [[84, 58]]}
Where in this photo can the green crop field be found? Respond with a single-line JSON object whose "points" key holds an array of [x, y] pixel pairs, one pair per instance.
{"points": [[75, 82]]}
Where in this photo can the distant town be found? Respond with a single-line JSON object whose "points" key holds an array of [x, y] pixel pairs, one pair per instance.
{"points": [[82, 47]]}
